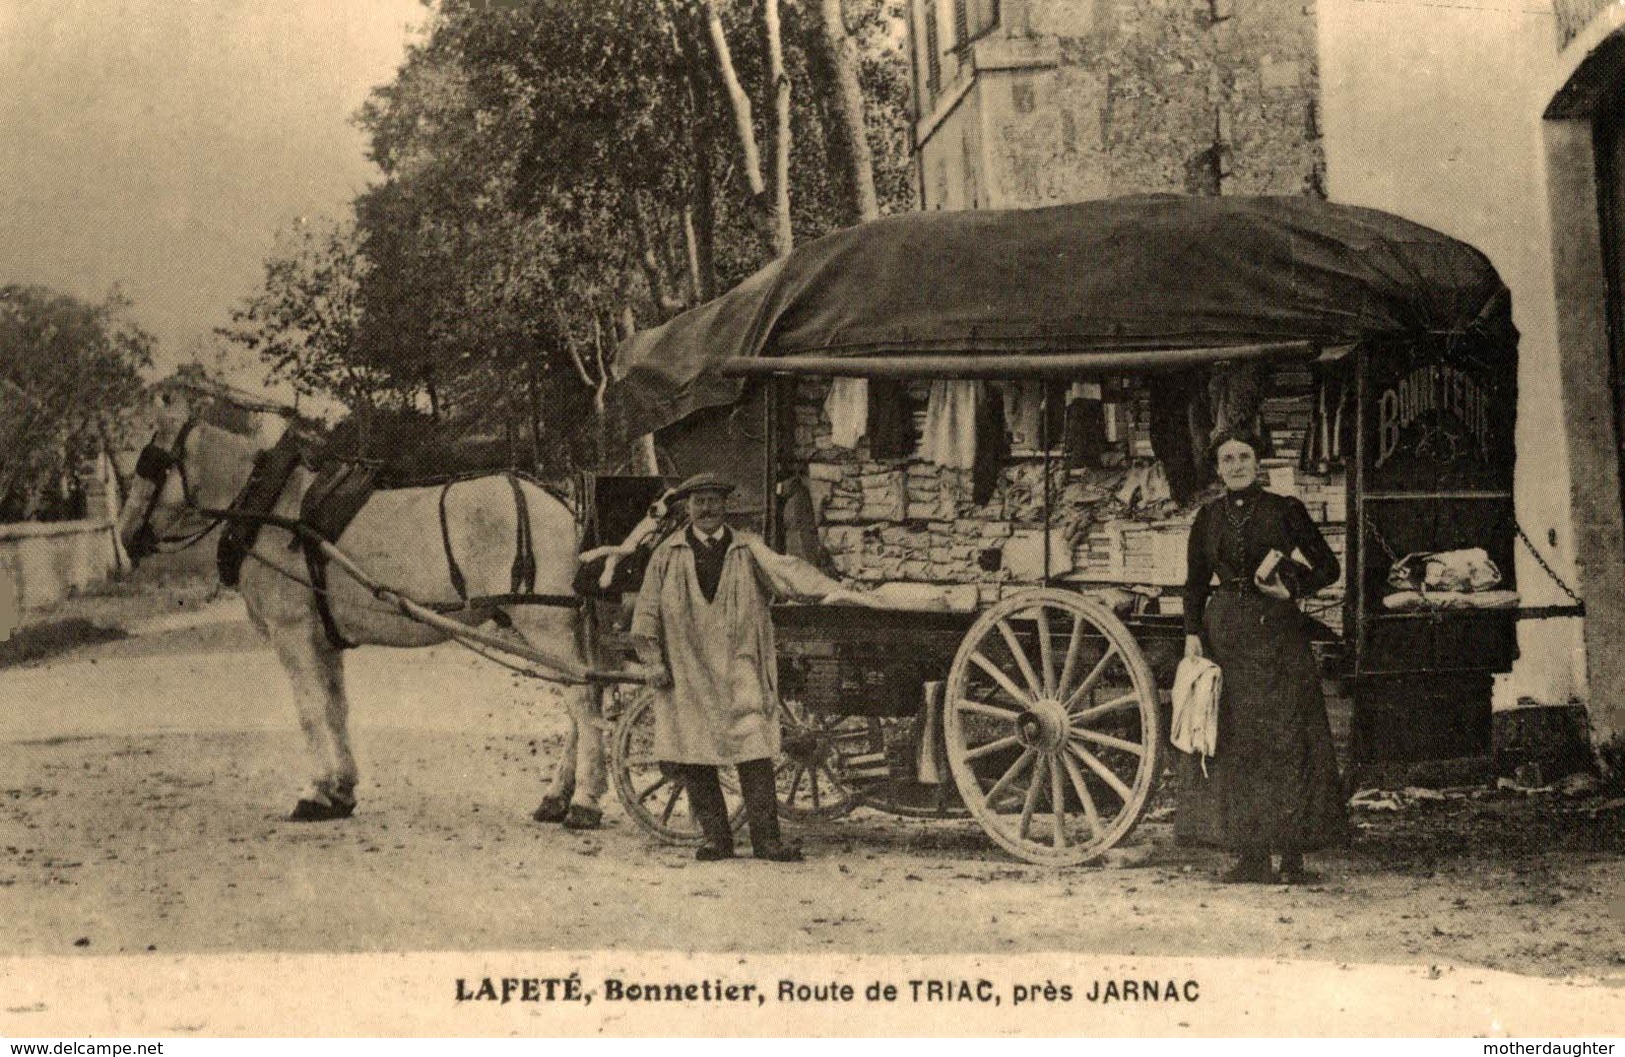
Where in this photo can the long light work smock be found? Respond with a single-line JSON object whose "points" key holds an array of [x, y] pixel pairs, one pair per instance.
{"points": [[722, 706]]}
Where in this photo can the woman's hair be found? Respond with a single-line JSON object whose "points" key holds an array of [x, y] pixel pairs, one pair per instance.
{"points": [[1225, 436]]}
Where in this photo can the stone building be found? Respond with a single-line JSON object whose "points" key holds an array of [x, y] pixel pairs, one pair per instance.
{"points": [[1498, 123]]}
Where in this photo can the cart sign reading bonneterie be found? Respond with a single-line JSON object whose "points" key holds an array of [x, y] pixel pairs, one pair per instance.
{"points": [[1458, 404], [1438, 420]]}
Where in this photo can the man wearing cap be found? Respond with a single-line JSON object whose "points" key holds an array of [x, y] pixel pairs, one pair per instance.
{"points": [[702, 628]]}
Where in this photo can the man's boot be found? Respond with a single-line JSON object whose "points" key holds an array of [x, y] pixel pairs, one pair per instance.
{"points": [[762, 811], [710, 811]]}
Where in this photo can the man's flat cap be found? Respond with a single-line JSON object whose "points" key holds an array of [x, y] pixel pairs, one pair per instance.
{"points": [[702, 482]]}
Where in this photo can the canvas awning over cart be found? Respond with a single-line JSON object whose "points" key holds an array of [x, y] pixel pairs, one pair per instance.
{"points": [[1159, 274]]}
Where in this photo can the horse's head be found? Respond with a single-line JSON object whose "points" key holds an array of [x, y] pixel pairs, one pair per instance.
{"points": [[155, 510]]}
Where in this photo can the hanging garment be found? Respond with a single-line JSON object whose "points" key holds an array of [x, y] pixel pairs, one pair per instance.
{"points": [[1322, 442], [1199, 423], [950, 424], [891, 420], [1024, 411], [1085, 426], [1198, 683], [1171, 434], [799, 516], [1236, 391], [992, 449], [1144, 485], [1236, 397], [1157, 489], [1316, 447], [1054, 413], [848, 408]]}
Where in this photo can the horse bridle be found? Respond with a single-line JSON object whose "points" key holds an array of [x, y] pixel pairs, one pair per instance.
{"points": [[154, 465]]}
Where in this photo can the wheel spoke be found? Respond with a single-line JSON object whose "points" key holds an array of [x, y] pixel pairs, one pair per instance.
{"points": [[671, 803], [1106, 739], [1046, 651], [1101, 769], [812, 778], [795, 784], [984, 709], [1116, 704], [993, 746], [1002, 786], [644, 796], [1070, 667], [1020, 655], [1004, 681], [1057, 797], [1032, 796], [640, 761], [1090, 812], [1089, 681]]}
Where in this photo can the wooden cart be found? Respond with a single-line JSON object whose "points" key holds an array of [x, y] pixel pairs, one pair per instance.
{"points": [[1041, 716]]}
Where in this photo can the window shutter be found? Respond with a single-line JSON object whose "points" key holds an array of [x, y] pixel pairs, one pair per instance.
{"points": [[933, 60]]}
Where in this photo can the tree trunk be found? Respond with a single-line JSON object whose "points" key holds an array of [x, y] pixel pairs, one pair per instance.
{"points": [[700, 209], [844, 98], [533, 385], [783, 237], [691, 247], [762, 210], [653, 262]]}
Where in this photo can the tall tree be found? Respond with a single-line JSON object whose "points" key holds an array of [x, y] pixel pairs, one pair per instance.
{"points": [[845, 106], [304, 321], [70, 386], [557, 173]]}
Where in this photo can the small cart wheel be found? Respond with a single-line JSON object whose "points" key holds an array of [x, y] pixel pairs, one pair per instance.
{"points": [[1052, 726], [650, 794], [811, 770]]}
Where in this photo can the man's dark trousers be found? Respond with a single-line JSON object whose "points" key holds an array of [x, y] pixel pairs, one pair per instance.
{"points": [[711, 810]]}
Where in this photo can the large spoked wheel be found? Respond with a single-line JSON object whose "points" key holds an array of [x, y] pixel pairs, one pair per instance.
{"points": [[654, 798], [811, 772], [1052, 726]]}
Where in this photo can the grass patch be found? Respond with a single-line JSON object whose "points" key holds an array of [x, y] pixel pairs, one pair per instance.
{"points": [[53, 637]]}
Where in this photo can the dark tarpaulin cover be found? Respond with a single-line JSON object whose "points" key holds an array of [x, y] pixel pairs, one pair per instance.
{"points": [[1143, 272]]}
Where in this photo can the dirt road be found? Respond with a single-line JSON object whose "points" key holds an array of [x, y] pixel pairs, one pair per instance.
{"points": [[144, 784]]}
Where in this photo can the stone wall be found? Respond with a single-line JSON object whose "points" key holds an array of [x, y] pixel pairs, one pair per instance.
{"points": [[1084, 99], [43, 562]]}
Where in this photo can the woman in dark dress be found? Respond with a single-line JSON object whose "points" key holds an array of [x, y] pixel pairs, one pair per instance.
{"points": [[1272, 785]]}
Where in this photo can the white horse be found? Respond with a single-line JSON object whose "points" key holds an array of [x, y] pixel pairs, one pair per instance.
{"points": [[396, 538]]}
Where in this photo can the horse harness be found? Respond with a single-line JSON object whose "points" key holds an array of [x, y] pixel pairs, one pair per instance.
{"points": [[334, 498], [153, 465]]}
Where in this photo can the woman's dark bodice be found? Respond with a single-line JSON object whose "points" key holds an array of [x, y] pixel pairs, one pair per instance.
{"points": [[1233, 533]]}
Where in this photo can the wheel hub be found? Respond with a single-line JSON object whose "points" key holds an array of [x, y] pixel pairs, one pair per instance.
{"points": [[804, 745], [1043, 727]]}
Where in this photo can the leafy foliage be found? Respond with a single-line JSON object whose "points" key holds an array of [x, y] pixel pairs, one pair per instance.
{"points": [[69, 387], [555, 174]]}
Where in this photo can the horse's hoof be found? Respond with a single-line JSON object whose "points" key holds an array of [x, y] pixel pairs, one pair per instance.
{"points": [[579, 817], [316, 811], [553, 809]]}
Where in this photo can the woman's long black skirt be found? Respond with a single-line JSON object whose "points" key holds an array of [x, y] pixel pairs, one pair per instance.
{"points": [[1273, 781]]}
